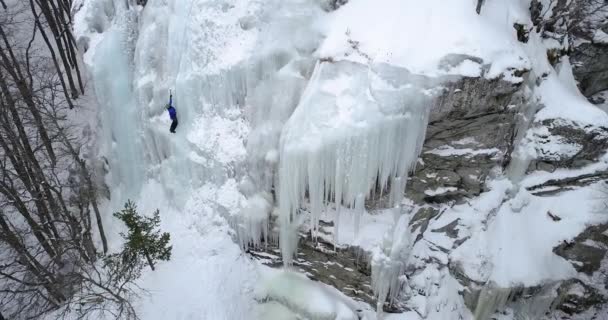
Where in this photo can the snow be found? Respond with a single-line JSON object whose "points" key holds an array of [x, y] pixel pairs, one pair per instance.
{"points": [[447, 151], [561, 101], [420, 49], [222, 136], [439, 191], [207, 268], [303, 297], [368, 235], [509, 250], [551, 147], [600, 36], [557, 91], [540, 177]]}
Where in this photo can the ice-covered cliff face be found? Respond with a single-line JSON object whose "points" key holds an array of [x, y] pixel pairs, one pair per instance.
{"points": [[314, 117]]}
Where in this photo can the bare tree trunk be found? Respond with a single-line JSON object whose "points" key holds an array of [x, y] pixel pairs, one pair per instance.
{"points": [[52, 52], [52, 23], [25, 92], [150, 263], [68, 39], [479, 4], [45, 278]]}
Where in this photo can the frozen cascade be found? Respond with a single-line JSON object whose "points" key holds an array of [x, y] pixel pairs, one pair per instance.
{"points": [[142, 54], [276, 77], [521, 155], [120, 117], [356, 127], [207, 98], [333, 131]]}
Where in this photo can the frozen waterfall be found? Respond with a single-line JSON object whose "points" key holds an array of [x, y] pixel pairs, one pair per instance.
{"points": [[112, 72], [264, 121], [356, 129], [342, 140]]}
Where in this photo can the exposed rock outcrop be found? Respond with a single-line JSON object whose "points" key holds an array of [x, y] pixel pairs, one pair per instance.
{"points": [[579, 146], [470, 132], [590, 67], [587, 251]]}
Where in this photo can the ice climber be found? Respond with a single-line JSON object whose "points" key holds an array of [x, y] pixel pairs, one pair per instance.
{"points": [[172, 114]]}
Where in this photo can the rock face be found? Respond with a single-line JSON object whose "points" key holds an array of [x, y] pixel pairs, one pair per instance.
{"points": [[583, 145], [576, 297], [471, 129], [346, 269], [590, 62], [587, 250], [470, 137]]}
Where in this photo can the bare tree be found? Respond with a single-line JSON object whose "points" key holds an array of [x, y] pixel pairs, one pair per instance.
{"points": [[568, 19], [48, 256]]}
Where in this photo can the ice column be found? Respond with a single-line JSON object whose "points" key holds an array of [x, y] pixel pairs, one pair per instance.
{"points": [[112, 76], [389, 261]]}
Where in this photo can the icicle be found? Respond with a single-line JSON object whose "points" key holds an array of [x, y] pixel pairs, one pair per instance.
{"points": [[359, 209], [354, 131], [252, 222], [337, 225], [397, 190], [389, 261]]}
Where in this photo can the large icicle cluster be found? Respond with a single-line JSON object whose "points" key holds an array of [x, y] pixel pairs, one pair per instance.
{"points": [[276, 74], [356, 127]]}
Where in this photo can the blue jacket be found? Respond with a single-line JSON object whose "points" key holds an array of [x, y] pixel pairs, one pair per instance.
{"points": [[172, 112]]}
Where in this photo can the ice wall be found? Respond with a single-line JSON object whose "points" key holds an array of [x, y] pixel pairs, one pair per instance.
{"points": [[112, 71]]}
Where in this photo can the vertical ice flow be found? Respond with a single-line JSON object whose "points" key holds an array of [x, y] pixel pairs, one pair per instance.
{"points": [[113, 74]]}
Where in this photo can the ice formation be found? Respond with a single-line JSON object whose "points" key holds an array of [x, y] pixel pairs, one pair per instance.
{"points": [[355, 128], [122, 130], [276, 76]]}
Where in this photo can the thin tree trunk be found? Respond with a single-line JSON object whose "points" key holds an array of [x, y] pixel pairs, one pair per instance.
{"points": [[52, 52], [44, 277], [50, 19], [91, 191], [26, 93], [150, 263], [102, 233], [479, 4], [69, 40]]}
